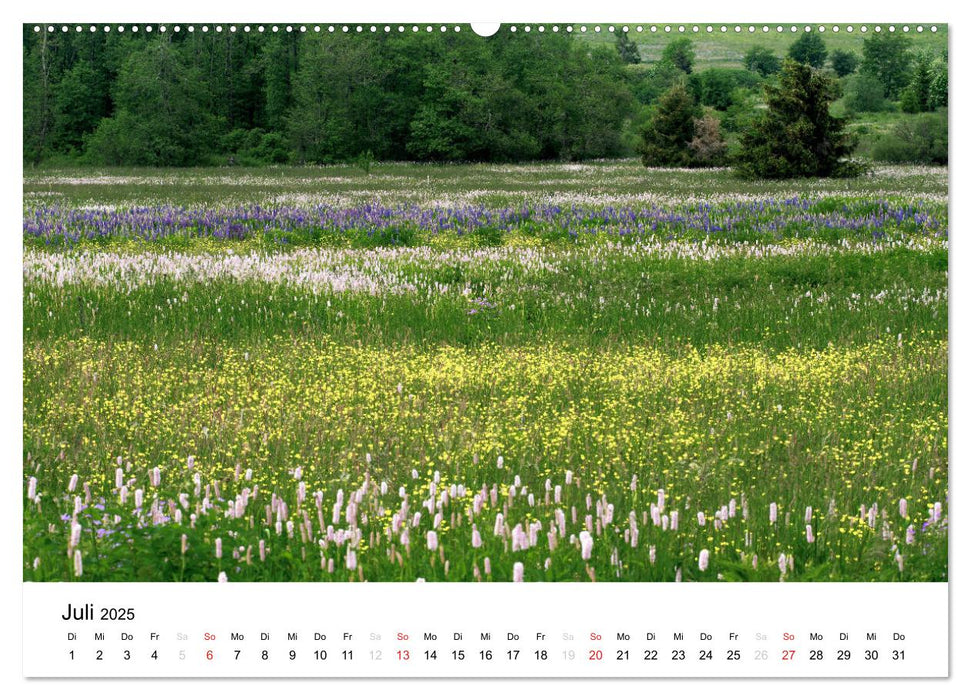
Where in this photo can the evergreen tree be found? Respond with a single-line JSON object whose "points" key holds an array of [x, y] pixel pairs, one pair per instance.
{"points": [[916, 97], [666, 139], [626, 48], [797, 136], [809, 49]]}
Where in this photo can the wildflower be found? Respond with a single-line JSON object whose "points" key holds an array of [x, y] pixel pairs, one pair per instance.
{"points": [[517, 572], [703, 560], [219, 548], [78, 563], [223, 578], [32, 488], [432, 538], [773, 512], [586, 545], [903, 507], [810, 538], [73, 483]]}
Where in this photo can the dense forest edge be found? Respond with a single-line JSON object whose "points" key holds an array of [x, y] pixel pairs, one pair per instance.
{"points": [[248, 98]]}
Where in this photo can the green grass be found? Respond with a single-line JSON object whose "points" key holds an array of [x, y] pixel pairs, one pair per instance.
{"points": [[719, 49], [788, 365]]}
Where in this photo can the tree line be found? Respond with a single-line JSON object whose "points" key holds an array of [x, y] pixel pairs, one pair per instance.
{"points": [[187, 98], [194, 98]]}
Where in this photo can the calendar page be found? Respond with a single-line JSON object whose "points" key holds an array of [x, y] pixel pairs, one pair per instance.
{"points": [[525, 349]]}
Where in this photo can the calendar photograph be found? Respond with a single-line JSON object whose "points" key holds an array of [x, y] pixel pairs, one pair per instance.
{"points": [[563, 303]]}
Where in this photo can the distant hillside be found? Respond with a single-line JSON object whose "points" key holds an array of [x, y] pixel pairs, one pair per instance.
{"points": [[727, 49]]}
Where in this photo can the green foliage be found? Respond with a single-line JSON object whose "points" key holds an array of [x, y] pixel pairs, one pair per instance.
{"points": [[654, 82], [864, 93], [797, 136], [626, 49], [666, 140], [159, 117], [921, 139], [715, 87], [809, 49], [761, 60], [916, 97], [338, 98], [254, 147], [844, 62], [190, 99], [744, 108], [938, 88], [680, 53], [887, 56]]}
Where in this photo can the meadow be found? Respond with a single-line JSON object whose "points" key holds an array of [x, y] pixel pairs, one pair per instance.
{"points": [[542, 372]]}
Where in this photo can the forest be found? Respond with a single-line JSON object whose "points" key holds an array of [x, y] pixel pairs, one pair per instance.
{"points": [[227, 97]]}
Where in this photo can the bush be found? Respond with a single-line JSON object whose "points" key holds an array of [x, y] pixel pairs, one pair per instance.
{"points": [[716, 87], [680, 53], [254, 147], [844, 62], [865, 94], [920, 139], [707, 147], [761, 60]]}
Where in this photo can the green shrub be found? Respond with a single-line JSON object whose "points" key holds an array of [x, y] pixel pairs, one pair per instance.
{"points": [[920, 139], [864, 93]]}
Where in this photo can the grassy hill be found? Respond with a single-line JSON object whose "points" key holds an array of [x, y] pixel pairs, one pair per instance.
{"points": [[726, 49]]}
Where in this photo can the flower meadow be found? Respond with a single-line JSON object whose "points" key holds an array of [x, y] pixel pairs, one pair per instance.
{"points": [[484, 373]]}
